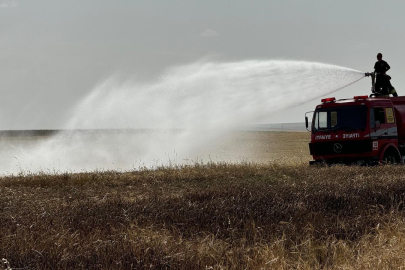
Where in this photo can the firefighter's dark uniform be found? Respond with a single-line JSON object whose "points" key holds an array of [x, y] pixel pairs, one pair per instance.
{"points": [[383, 84]]}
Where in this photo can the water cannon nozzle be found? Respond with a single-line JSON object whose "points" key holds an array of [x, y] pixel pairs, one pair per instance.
{"points": [[367, 74]]}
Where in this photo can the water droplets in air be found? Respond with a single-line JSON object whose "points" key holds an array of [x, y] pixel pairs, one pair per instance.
{"points": [[175, 118]]}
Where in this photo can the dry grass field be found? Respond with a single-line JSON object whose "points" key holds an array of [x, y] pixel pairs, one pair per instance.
{"points": [[275, 213], [260, 147]]}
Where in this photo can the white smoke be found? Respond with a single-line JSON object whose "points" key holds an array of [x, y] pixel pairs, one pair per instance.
{"points": [[177, 118]]}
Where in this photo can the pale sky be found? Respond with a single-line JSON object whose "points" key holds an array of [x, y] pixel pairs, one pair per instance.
{"points": [[53, 52]]}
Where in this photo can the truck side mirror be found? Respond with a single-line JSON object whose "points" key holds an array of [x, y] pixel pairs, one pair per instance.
{"points": [[306, 120]]}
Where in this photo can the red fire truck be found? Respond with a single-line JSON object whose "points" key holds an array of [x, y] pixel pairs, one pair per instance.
{"points": [[362, 130]]}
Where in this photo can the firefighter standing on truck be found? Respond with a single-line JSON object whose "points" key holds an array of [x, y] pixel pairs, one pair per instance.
{"points": [[383, 85]]}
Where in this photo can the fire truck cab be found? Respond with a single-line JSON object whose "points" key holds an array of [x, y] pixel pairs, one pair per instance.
{"points": [[362, 130]]}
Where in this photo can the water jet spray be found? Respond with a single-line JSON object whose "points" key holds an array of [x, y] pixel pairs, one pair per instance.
{"points": [[178, 118]]}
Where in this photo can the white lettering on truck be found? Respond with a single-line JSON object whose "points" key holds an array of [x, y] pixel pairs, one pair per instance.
{"points": [[323, 137], [351, 136]]}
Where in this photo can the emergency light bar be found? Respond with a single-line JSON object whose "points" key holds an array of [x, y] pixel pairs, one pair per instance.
{"points": [[360, 97], [330, 99]]}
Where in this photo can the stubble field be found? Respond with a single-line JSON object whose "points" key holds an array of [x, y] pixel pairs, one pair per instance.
{"points": [[273, 213]]}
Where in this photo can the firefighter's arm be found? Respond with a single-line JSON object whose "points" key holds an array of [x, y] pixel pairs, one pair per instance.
{"points": [[388, 68]]}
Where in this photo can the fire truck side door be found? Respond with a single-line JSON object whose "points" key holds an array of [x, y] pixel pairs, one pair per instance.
{"points": [[383, 120]]}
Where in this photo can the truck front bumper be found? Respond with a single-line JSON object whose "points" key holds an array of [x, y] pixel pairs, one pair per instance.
{"points": [[362, 161]]}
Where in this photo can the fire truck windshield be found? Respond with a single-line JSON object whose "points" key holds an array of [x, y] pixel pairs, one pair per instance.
{"points": [[340, 118]]}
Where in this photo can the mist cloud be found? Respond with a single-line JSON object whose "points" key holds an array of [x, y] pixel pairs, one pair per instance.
{"points": [[209, 33], [9, 4]]}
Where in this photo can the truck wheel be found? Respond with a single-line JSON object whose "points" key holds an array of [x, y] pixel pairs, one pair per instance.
{"points": [[390, 157]]}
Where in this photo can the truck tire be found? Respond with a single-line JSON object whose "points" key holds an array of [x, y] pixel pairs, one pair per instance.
{"points": [[391, 157]]}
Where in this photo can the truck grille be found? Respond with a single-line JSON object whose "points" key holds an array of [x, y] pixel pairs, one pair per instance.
{"points": [[343, 147]]}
